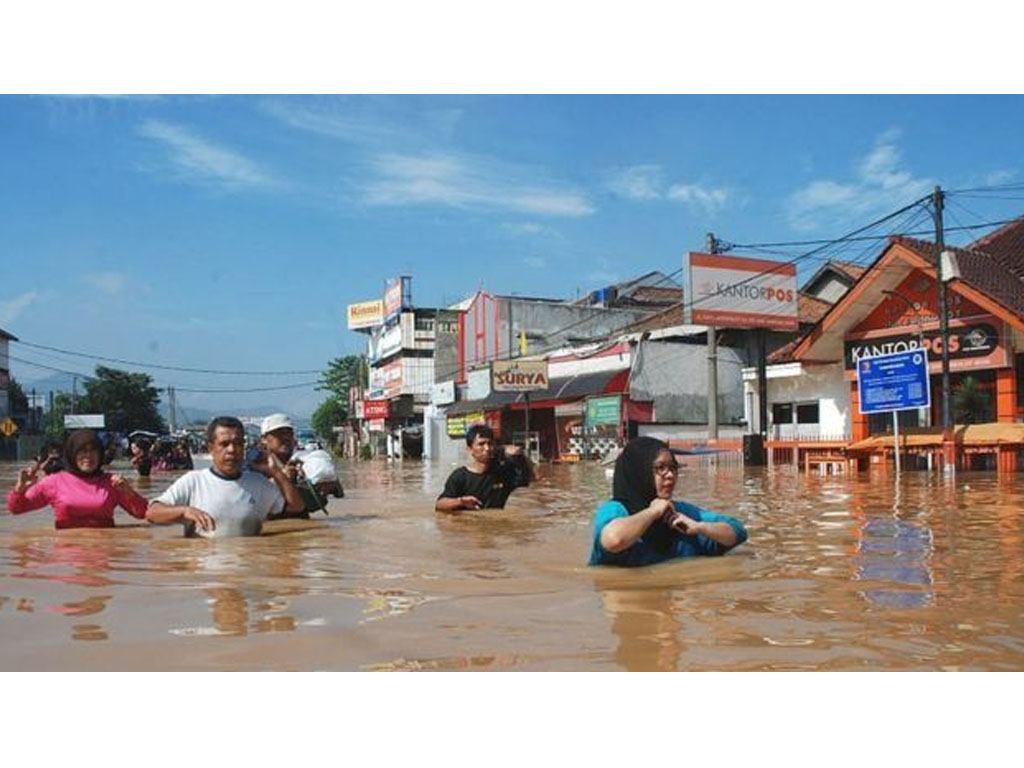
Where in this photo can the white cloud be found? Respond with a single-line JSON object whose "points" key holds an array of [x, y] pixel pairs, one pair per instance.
{"points": [[337, 121], [996, 178], [470, 182], [12, 308], [636, 182], [198, 159], [536, 262], [526, 228], [110, 283], [711, 200], [881, 183]]}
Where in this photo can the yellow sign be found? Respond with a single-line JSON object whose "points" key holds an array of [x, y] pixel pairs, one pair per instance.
{"points": [[8, 427], [366, 314]]}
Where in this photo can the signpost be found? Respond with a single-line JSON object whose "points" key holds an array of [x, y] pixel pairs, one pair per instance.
{"points": [[8, 427], [524, 376], [893, 383]]}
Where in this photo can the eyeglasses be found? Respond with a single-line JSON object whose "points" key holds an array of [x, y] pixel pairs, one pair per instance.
{"points": [[666, 469]]}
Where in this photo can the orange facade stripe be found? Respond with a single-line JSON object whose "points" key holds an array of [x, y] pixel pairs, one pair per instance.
{"points": [[741, 262]]}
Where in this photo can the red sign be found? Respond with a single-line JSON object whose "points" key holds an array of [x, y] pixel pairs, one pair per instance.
{"points": [[376, 409]]}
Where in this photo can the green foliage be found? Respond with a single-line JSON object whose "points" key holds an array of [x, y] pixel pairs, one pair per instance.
{"points": [[17, 398], [128, 401], [342, 374], [365, 452], [971, 404], [329, 414], [53, 424]]}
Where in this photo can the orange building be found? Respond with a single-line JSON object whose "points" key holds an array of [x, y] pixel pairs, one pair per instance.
{"points": [[894, 307]]}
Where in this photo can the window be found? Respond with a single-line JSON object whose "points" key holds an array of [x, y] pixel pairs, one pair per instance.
{"points": [[782, 413], [424, 323], [807, 413]]}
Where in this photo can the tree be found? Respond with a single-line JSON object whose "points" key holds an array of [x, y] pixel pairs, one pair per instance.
{"points": [[342, 374], [17, 398], [128, 401], [329, 414], [53, 424]]}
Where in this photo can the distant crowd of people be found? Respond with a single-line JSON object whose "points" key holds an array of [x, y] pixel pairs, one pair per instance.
{"points": [[246, 485]]}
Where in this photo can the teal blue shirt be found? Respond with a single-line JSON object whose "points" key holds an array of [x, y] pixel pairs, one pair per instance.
{"points": [[643, 553]]}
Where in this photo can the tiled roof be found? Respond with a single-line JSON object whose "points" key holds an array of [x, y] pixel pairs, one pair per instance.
{"points": [[810, 309], [852, 270], [994, 265], [666, 318]]}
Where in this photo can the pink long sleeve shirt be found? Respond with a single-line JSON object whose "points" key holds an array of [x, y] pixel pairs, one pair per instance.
{"points": [[78, 502]]}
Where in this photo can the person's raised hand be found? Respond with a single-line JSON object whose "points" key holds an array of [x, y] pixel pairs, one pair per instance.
{"points": [[26, 477], [513, 450]]}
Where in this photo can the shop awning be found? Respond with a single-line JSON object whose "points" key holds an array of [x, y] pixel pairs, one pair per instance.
{"points": [[994, 433], [561, 390]]}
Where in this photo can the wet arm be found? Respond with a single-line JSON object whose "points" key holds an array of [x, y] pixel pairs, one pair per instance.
{"points": [[27, 498], [165, 514], [292, 498], [623, 532]]}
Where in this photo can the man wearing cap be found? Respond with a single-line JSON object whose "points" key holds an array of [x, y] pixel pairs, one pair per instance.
{"points": [[277, 436], [227, 499]]}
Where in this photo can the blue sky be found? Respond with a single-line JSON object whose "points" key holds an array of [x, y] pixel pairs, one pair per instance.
{"points": [[231, 232]]}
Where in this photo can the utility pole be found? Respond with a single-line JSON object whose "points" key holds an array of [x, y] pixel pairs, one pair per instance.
{"points": [[74, 394], [173, 408], [712, 247], [948, 444]]}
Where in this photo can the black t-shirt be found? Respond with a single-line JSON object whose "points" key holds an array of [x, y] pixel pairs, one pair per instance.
{"points": [[492, 487]]}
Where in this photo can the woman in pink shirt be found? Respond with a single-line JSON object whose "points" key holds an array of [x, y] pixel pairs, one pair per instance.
{"points": [[83, 495]]}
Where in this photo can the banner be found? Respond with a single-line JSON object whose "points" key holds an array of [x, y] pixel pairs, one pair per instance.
{"points": [[376, 409], [365, 314], [739, 292], [519, 375]]}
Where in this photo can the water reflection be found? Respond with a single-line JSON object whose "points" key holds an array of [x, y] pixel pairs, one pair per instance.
{"points": [[839, 573]]}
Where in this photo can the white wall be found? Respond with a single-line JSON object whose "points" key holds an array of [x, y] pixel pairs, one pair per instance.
{"points": [[797, 383]]}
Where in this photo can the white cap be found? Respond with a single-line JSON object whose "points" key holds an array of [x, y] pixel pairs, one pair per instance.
{"points": [[275, 421]]}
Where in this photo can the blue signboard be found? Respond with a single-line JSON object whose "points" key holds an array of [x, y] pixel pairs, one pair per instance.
{"points": [[893, 382]]}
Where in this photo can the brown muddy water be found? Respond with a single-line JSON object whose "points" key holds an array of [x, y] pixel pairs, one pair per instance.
{"points": [[839, 574]]}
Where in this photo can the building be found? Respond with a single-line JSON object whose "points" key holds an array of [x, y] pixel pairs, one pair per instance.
{"points": [[5, 374], [894, 306], [493, 327]]}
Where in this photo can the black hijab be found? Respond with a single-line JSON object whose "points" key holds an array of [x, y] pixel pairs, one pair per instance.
{"points": [[76, 441], [633, 485]]}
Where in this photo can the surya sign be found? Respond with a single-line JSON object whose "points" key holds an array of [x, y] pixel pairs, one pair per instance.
{"points": [[520, 375]]}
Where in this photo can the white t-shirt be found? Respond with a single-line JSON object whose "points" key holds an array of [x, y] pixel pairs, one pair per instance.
{"points": [[238, 507]]}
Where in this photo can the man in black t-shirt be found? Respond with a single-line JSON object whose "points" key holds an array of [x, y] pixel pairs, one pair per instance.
{"points": [[489, 478]]}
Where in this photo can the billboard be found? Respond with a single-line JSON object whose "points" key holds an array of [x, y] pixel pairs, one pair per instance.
{"points": [[519, 375], [365, 314], [84, 421], [397, 296], [738, 292]]}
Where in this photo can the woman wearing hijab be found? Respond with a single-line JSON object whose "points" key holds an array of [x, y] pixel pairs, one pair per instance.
{"points": [[641, 524], [83, 495]]}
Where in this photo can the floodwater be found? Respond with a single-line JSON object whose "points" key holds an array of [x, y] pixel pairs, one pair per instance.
{"points": [[839, 574]]}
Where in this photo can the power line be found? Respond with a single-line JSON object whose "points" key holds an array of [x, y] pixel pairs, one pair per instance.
{"points": [[167, 367], [797, 243], [90, 377]]}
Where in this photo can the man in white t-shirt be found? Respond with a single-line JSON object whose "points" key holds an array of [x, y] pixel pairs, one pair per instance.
{"points": [[226, 500]]}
